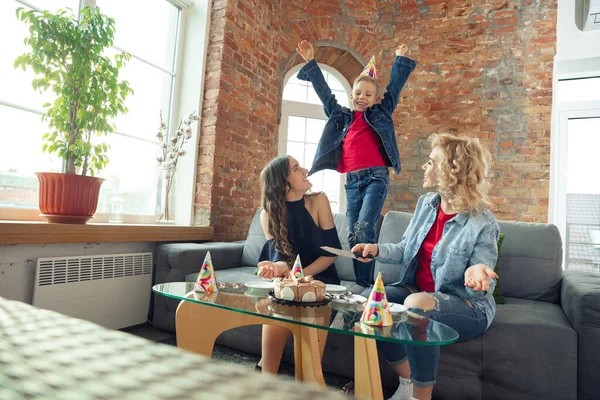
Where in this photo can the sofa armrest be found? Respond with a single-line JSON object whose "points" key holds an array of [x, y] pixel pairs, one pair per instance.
{"points": [[188, 257], [580, 300], [174, 261]]}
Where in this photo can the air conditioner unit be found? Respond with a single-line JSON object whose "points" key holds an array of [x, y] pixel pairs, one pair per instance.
{"points": [[591, 15]]}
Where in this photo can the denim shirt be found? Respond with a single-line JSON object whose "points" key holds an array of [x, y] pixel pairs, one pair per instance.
{"points": [[378, 116], [466, 240]]}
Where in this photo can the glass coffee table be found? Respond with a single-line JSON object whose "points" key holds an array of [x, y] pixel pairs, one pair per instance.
{"points": [[202, 317]]}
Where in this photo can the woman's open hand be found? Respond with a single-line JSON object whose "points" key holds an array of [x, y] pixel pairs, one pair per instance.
{"points": [[476, 277]]}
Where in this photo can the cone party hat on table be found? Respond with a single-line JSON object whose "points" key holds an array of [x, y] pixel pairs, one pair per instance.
{"points": [[297, 272], [206, 281], [377, 311], [370, 69]]}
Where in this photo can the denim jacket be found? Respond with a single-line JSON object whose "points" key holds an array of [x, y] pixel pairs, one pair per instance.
{"points": [[466, 240], [378, 116]]}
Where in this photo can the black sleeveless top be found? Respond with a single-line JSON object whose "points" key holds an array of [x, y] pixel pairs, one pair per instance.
{"points": [[306, 238]]}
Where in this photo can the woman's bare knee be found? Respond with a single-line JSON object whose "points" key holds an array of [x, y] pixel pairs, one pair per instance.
{"points": [[422, 300]]}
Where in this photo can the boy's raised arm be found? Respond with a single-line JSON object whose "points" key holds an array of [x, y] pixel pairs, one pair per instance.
{"points": [[312, 73], [401, 69]]}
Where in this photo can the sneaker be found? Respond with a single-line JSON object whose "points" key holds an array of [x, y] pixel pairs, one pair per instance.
{"points": [[404, 392], [347, 389]]}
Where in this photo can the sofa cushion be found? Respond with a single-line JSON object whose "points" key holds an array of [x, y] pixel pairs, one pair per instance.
{"points": [[530, 261], [529, 344], [254, 242], [460, 371], [515, 358], [392, 228], [343, 265]]}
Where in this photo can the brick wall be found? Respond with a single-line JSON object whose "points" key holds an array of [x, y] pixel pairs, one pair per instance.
{"points": [[485, 70]]}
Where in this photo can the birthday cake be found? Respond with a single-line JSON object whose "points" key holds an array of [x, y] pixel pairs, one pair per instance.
{"points": [[299, 287], [305, 289]]}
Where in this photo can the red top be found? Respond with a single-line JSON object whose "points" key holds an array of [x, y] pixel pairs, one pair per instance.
{"points": [[361, 147], [423, 277]]}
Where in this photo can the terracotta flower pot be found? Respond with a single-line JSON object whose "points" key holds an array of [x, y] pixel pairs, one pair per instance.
{"points": [[68, 198]]}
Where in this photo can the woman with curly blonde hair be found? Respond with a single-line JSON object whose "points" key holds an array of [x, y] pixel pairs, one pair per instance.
{"points": [[295, 223], [446, 258]]}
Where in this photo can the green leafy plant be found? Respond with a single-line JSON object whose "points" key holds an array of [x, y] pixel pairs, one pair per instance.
{"points": [[68, 57]]}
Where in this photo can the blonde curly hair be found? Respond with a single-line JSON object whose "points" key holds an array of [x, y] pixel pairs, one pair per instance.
{"points": [[463, 172]]}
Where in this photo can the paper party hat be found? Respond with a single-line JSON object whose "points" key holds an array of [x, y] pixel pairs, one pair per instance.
{"points": [[377, 311], [374, 330], [370, 69], [297, 272], [206, 281]]}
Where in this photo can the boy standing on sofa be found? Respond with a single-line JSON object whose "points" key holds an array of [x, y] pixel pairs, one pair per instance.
{"points": [[360, 142]]}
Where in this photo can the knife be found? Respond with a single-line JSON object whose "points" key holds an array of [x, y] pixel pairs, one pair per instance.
{"points": [[345, 253]]}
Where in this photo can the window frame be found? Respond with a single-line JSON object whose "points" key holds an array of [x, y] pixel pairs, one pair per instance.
{"points": [[307, 110], [562, 112], [192, 35]]}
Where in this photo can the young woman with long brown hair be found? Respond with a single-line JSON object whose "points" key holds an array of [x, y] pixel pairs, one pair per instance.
{"points": [[295, 223]]}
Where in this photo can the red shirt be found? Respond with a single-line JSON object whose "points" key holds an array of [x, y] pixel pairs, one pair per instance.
{"points": [[423, 276], [361, 147]]}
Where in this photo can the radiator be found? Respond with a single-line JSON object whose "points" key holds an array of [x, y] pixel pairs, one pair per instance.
{"points": [[111, 290]]}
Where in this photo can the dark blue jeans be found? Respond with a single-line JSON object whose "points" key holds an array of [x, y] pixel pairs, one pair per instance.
{"points": [[365, 194], [450, 310]]}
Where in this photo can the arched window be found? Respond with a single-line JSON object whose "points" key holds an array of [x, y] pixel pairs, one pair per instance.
{"points": [[302, 122]]}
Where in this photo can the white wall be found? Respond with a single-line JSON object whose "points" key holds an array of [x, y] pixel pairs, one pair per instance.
{"points": [[18, 262], [573, 44]]}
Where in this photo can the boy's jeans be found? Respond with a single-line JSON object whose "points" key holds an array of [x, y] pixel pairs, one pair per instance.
{"points": [[366, 191], [450, 310]]}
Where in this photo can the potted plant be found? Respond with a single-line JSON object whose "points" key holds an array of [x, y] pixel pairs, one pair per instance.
{"points": [[67, 56]]}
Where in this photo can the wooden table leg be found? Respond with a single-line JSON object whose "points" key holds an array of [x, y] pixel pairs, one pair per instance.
{"points": [[367, 379], [322, 338], [306, 359], [198, 327]]}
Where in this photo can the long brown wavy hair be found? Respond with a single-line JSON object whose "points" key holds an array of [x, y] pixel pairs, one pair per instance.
{"points": [[273, 179], [464, 172]]}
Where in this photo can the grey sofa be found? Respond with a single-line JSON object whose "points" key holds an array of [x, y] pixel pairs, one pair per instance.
{"points": [[543, 344]]}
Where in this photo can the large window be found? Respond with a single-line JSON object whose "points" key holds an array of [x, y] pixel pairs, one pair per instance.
{"points": [[151, 37], [576, 188], [302, 123]]}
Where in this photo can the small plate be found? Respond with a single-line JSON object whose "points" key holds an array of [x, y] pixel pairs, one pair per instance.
{"points": [[398, 308], [263, 285], [254, 293], [335, 289]]}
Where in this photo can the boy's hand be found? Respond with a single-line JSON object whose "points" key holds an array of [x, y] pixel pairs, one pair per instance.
{"points": [[306, 51], [401, 50]]}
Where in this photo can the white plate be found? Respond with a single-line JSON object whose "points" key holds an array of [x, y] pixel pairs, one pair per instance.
{"points": [[335, 289], [398, 308], [354, 299], [264, 285]]}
